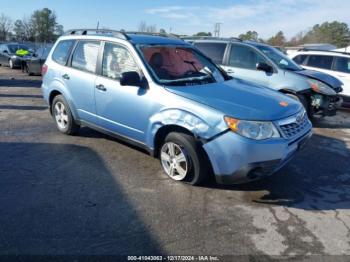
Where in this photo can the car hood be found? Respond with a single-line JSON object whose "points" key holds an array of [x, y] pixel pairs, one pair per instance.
{"points": [[325, 78], [241, 99]]}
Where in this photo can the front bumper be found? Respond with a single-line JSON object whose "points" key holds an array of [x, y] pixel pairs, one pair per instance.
{"points": [[326, 105], [236, 159]]}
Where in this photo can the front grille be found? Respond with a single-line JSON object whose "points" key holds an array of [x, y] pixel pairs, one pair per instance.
{"points": [[295, 125]]}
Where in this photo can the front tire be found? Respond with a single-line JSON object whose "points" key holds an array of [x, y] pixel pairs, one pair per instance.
{"points": [[63, 116], [304, 101], [183, 159]]}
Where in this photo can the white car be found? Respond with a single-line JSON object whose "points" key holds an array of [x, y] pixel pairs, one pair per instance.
{"points": [[334, 63]]}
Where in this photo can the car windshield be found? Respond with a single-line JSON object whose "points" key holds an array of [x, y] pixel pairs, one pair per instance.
{"points": [[14, 48], [180, 65], [279, 58]]}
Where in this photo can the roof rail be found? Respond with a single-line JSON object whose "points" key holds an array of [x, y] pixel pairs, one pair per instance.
{"points": [[152, 34], [322, 50], [114, 33], [211, 38]]}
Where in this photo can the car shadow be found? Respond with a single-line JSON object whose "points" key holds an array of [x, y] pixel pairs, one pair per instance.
{"points": [[20, 83], [20, 96], [62, 199], [318, 178], [17, 107], [91, 133], [339, 121]]}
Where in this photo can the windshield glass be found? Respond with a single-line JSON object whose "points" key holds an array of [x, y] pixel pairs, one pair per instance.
{"points": [[279, 58], [179, 65], [14, 48]]}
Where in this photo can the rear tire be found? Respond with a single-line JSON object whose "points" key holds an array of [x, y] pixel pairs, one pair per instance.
{"points": [[183, 159], [63, 116]]}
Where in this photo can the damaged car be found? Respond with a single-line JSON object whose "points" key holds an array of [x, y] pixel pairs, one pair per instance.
{"points": [[161, 94], [265, 65]]}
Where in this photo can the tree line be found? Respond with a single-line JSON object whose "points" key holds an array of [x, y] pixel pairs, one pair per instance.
{"points": [[335, 33], [41, 26]]}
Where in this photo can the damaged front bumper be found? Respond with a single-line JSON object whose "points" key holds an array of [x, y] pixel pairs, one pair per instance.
{"points": [[325, 105], [236, 159]]}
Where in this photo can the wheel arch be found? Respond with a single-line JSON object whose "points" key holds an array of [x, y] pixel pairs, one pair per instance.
{"points": [[163, 131], [55, 92]]}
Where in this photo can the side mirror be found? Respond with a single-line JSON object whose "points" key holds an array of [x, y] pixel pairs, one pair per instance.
{"points": [[131, 78], [261, 66]]}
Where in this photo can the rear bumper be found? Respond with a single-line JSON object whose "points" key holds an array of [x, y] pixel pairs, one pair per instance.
{"points": [[236, 159]]}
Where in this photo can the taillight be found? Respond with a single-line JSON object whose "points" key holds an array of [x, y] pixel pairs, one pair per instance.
{"points": [[44, 69]]}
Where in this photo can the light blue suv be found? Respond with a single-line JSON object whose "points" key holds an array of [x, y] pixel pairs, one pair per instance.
{"points": [[161, 94]]}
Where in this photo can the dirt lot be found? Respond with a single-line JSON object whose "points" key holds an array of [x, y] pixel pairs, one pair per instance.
{"points": [[91, 194]]}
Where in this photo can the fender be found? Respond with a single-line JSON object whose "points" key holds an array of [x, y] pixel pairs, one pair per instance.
{"points": [[185, 119], [57, 85]]}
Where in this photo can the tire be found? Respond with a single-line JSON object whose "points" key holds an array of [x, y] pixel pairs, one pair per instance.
{"points": [[11, 64], [63, 117], [303, 100], [28, 71], [185, 148]]}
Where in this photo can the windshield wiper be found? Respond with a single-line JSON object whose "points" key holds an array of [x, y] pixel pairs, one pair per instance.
{"points": [[204, 68]]}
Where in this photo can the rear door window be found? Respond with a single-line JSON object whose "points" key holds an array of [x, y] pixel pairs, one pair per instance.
{"points": [[300, 59], [320, 61], [244, 57], [85, 56], [342, 64], [62, 51], [215, 51]]}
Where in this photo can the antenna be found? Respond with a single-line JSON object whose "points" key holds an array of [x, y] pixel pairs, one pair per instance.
{"points": [[98, 25], [217, 29]]}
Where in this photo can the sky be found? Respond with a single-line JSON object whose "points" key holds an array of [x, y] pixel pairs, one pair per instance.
{"points": [[266, 17]]}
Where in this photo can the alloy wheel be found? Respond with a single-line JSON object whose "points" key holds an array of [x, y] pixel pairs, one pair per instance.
{"points": [[174, 161], [61, 115]]}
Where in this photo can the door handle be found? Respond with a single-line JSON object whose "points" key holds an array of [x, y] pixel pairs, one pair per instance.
{"points": [[101, 87], [65, 76], [230, 71]]}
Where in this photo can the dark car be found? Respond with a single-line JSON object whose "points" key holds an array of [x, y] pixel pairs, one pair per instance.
{"points": [[36, 61], [8, 54]]}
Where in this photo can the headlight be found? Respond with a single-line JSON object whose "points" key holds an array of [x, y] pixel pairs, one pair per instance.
{"points": [[319, 87], [257, 130]]}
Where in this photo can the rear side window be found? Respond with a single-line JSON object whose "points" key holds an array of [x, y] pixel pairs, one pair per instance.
{"points": [[300, 59], [342, 64], [244, 57], [62, 51], [320, 61], [85, 56], [215, 51]]}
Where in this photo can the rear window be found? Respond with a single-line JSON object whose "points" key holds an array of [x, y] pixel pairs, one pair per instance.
{"points": [[215, 51], [62, 51], [300, 59], [85, 56], [342, 64], [320, 61]]}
